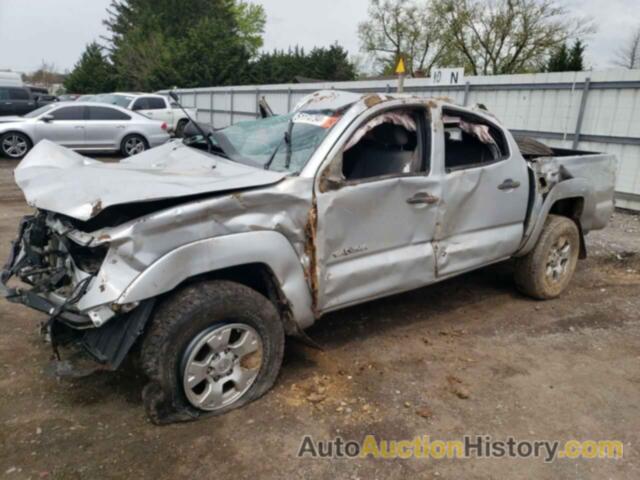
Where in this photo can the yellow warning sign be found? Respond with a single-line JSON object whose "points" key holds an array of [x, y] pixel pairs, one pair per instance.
{"points": [[400, 68]]}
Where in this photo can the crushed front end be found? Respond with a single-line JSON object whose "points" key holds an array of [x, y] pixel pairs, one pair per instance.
{"points": [[51, 267]]}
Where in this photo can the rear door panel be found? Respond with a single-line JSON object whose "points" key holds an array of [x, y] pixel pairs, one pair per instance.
{"points": [[482, 220], [103, 132]]}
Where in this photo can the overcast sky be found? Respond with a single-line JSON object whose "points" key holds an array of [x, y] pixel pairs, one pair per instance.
{"points": [[57, 30]]}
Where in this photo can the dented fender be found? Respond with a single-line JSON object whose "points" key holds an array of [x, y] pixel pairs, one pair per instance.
{"points": [[571, 188], [265, 247]]}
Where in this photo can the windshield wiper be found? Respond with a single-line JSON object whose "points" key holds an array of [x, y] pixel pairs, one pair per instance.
{"points": [[287, 140]]}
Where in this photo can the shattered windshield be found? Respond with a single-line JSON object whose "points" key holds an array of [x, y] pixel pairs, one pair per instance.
{"points": [[264, 142]]}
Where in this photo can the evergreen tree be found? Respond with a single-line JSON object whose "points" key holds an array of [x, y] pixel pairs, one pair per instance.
{"points": [[576, 57], [559, 60], [92, 74], [567, 60], [158, 44], [321, 63]]}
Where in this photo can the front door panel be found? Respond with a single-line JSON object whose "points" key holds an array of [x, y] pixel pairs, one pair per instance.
{"points": [[68, 133], [373, 241]]}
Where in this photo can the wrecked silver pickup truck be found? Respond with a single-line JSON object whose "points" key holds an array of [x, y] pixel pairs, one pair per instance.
{"points": [[205, 260]]}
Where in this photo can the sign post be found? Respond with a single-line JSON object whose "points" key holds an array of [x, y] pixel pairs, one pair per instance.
{"points": [[401, 72]]}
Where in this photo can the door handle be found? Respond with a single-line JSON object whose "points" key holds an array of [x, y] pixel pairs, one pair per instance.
{"points": [[509, 184], [422, 198]]}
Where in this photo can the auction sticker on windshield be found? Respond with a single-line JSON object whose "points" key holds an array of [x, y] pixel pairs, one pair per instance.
{"points": [[316, 119]]}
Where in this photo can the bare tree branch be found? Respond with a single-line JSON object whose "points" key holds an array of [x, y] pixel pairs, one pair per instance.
{"points": [[629, 55]]}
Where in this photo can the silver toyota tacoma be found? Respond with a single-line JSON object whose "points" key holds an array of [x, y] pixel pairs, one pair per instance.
{"points": [[201, 255]]}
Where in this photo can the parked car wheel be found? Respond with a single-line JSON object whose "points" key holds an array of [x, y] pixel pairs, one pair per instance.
{"points": [[546, 271], [15, 145], [180, 127], [211, 347], [133, 144]]}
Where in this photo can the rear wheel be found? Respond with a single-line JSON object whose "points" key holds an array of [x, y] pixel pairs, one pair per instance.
{"points": [[15, 145], [546, 271], [212, 347], [132, 145]]}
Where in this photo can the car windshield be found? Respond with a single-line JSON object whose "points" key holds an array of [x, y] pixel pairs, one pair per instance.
{"points": [[262, 142], [39, 111], [112, 99]]}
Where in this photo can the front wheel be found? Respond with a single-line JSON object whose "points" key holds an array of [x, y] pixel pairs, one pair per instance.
{"points": [[212, 347], [132, 145], [546, 271], [15, 145]]}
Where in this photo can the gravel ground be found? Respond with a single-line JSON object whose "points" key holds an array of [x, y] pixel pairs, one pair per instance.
{"points": [[468, 356]]}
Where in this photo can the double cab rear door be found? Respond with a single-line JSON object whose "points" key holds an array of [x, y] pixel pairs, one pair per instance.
{"points": [[426, 193]]}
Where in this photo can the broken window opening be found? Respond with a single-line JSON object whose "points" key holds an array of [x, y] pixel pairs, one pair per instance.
{"points": [[471, 142], [388, 144]]}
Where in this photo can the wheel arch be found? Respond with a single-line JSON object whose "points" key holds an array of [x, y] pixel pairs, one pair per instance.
{"points": [[568, 199], [21, 132], [264, 260], [135, 132]]}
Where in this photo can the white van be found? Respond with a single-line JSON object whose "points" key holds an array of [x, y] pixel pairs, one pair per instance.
{"points": [[10, 79]]}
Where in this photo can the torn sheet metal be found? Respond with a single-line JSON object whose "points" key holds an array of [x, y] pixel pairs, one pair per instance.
{"points": [[401, 119]]}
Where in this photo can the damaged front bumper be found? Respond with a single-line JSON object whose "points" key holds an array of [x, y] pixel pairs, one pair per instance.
{"points": [[53, 271]]}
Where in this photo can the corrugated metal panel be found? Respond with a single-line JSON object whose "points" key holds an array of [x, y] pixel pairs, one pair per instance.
{"points": [[548, 104]]}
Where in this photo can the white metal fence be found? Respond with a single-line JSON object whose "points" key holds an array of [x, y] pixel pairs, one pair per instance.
{"points": [[591, 111]]}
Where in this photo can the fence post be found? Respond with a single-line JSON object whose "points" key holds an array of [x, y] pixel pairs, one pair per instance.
{"points": [[583, 105], [211, 107], [231, 107], [257, 103], [288, 99], [467, 87]]}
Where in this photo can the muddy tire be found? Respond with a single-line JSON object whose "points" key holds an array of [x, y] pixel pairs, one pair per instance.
{"points": [[546, 271], [211, 347]]}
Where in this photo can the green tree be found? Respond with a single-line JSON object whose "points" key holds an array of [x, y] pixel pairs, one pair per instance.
{"points": [[321, 63], [559, 60], [330, 64], [92, 74], [157, 44], [576, 56], [564, 59], [251, 20]]}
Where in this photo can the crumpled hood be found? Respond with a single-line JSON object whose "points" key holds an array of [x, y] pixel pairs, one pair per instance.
{"points": [[57, 179]]}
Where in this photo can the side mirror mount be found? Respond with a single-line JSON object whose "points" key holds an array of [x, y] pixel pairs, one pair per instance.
{"points": [[48, 118]]}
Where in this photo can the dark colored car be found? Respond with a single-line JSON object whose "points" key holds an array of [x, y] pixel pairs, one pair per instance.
{"points": [[17, 101]]}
